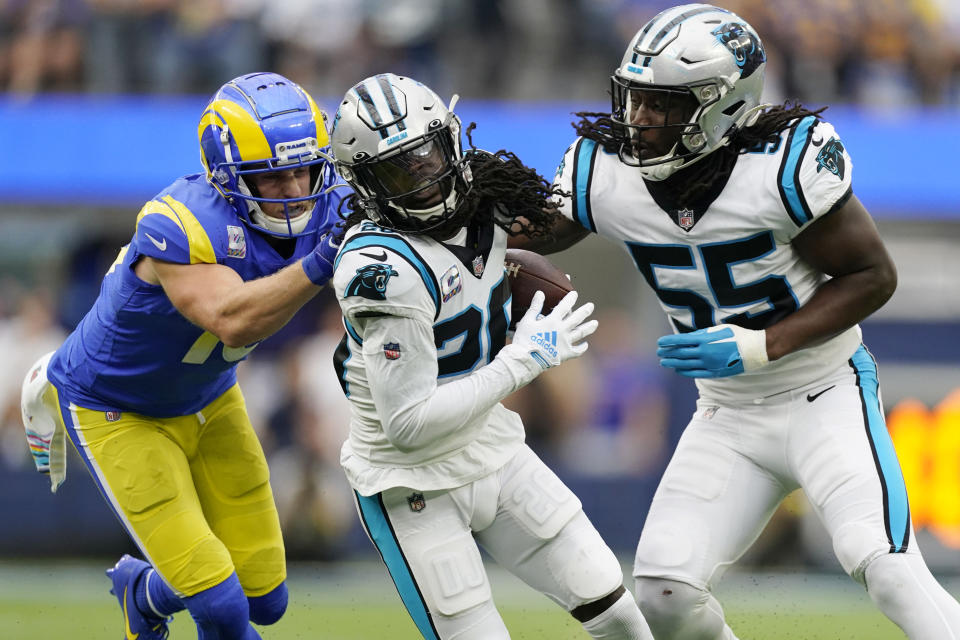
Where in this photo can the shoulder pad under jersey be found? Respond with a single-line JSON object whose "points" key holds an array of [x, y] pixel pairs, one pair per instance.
{"points": [[815, 170], [380, 273]]}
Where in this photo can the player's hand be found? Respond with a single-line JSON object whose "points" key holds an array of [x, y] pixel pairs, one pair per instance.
{"points": [[558, 336], [318, 264], [714, 352]]}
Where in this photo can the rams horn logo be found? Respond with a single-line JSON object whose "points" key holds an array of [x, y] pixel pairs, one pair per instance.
{"points": [[370, 282], [831, 158], [745, 46]]}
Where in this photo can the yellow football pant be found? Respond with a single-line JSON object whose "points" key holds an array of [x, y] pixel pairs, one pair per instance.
{"points": [[192, 491]]}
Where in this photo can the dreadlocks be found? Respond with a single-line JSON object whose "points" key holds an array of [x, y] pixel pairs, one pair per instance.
{"points": [[503, 191], [689, 183], [508, 192]]}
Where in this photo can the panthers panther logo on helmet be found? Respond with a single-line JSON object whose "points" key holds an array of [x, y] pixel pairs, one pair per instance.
{"points": [[745, 46], [370, 282]]}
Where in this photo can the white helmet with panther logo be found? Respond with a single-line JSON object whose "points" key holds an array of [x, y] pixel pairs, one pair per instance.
{"points": [[696, 50], [398, 146]]}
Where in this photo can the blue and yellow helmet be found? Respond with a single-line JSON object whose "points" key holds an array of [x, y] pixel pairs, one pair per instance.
{"points": [[259, 123]]}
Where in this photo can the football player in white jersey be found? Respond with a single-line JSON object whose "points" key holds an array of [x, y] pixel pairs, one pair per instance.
{"points": [[438, 465], [742, 219]]}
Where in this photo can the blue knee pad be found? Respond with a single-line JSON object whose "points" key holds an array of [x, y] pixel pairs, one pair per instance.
{"points": [[269, 608], [222, 612]]}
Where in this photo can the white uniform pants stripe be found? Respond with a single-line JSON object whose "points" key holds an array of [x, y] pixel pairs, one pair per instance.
{"points": [[896, 509], [376, 522]]}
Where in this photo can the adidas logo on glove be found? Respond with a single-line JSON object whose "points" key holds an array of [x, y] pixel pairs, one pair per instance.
{"points": [[547, 340]]}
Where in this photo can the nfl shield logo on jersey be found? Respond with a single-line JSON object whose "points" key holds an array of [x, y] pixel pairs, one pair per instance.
{"points": [[417, 502], [685, 219], [478, 266], [392, 350]]}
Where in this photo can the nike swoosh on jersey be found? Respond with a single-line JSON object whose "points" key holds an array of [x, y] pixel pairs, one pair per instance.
{"points": [[816, 140], [814, 396], [381, 257], [159, 245]]}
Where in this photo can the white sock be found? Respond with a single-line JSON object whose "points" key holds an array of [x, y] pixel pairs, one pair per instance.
{"points": [[622, 621]]}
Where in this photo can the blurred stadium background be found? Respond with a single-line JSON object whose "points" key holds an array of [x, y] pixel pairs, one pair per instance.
{"points": [[98, 112]]}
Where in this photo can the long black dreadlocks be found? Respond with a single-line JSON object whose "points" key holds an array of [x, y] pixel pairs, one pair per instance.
{"points": [[503, 191], [689, 183]]}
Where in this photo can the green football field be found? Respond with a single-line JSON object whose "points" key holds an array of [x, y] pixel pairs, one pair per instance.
{"points": [[356, 601]]}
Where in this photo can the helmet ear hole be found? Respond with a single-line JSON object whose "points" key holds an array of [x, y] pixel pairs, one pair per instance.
{"points": [[732, 109]]}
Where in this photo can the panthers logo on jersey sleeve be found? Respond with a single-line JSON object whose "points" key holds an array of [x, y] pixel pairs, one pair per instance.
{"points": [[815, 171], [831, 158], [371, 281], [380, 273]]}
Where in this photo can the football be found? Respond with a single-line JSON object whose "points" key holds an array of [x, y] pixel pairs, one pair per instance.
{"points": [[529, 272]]}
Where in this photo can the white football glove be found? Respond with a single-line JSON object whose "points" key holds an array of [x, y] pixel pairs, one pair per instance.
{"points": [[45, 435], [541, 342]]}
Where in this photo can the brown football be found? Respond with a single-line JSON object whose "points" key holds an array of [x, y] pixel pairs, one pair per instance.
{"points": [[529, 272]]}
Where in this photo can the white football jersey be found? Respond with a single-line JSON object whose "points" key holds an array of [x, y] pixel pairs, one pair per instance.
{"points": [[731, 260], [421, 316]]}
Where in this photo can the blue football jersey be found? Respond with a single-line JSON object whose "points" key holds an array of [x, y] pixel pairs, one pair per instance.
{"points": [[134, 351]]}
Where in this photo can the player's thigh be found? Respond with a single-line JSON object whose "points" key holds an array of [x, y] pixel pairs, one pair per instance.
{"points": [[712, 502], [541, 535], [845, 462], [142, 471], [233, 482], [426, 542]]}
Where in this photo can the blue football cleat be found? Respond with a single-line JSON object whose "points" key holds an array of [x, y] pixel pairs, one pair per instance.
{"points": [[137, 626]]}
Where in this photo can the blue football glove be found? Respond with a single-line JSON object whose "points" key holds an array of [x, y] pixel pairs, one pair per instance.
{"points": [[318, 264], [714, 352]]}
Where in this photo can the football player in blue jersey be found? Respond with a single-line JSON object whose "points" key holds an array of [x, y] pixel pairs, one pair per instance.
{"points": [[742, 219], [146, 389]]}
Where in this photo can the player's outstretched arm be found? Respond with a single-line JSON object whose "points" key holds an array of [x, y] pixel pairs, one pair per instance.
{"points": [[845, 245], [215, 297]]}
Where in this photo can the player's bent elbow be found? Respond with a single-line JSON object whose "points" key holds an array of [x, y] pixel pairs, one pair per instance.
{"points": [[234, 335], [404, 444], [235, 339], [883, 283], [889, 281], [404, 436]]}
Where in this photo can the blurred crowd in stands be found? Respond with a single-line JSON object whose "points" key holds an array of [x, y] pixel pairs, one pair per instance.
{"points": [[886, 52], [605, 414]]}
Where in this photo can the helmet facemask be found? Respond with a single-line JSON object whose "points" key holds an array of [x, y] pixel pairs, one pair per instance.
{"points": [[673, 142], [416, 188], [294, 213]]}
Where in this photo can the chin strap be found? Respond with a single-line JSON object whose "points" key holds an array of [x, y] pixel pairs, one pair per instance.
{"points": [[289, 225]]}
